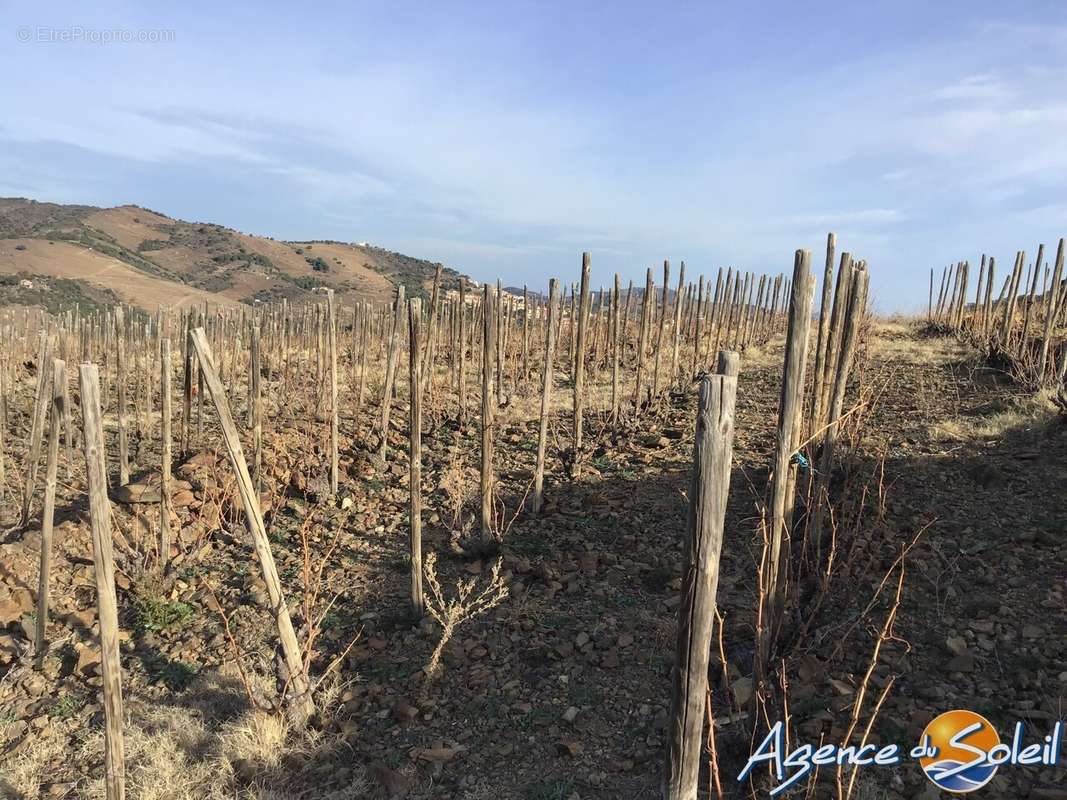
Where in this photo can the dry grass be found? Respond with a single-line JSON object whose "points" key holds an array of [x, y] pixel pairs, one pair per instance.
{"points": [[1022, 412], [895, 339], [184, 753], [23, 774]]}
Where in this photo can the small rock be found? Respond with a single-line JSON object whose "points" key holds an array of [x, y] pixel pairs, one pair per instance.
{"points": [[956, 645], [961, 663], [136, 493]]}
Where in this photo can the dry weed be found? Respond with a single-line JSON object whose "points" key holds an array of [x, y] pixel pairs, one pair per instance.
{"points": [[465, 605]]}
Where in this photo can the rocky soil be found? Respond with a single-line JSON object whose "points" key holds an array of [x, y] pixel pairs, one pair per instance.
{"points": [[561, 691]]}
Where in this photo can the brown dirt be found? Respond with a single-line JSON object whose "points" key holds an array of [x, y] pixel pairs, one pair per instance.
{"points": [[561, 692], [65, 260]]}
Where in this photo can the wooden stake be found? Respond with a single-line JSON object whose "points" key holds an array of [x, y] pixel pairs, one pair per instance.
{"points": [[662, 328], [390, 371], [40, 411], [331, 337], [418, 602], [1051, 311], [104, 570], [120, 364], [824, 329], [296, 678], [59, 380], [462, 416], [579, 366], [165, 457], [546, 393], [615, 330], [489, 401], [709, 488], [677, 324], [790, 407]]}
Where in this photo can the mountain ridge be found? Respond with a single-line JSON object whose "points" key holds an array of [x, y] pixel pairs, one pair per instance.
{"points": [[147, 259]]}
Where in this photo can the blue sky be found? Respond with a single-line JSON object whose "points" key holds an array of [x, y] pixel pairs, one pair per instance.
{"points": [[505, 138]]}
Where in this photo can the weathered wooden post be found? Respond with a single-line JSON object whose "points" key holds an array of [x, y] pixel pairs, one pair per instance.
{"points": [[256, 388], [418, 603], [546, 393], [165, 457], [1035, 276], [120, 378], [664, 305], [1051, 311], [642, 346], [40, 411], [104, 570], [187, 383], [430, 354], [824, 329], [462, 416], [856, 305], [677, 325], [296, 676], [579, 365], [615, 329], [489, 400], [1013, 296], [709, 488], [59, 380], [390, 370], [790, 409], [987, 313], [331, 339], [833, 341]]}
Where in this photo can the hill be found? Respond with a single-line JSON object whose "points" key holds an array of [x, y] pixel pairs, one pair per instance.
{"points": [[147, 259]]}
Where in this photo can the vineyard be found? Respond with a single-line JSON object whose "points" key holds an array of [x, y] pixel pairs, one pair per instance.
{"points": [[488, 543]]}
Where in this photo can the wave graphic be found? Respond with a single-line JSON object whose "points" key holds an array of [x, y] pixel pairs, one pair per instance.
{"points": [[966, 781]]}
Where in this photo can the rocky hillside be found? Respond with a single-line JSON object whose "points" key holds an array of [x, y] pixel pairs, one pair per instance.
{"points": [[147, 259]]}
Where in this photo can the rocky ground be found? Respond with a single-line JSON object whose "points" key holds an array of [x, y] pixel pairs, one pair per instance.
{"points": [[561, 691]]}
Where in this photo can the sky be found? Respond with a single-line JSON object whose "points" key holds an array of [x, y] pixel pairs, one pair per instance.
{"points": [[504, 138]]}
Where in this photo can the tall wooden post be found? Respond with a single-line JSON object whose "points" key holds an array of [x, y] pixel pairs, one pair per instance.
{"points": [[833, 341], [546, 393], [987, 313], [790, 408], [331, 339], [579, 365], [165, 450], [40, 411], [615, 328], [661, 331], [824, 330], [642, 346], [296, 674], [104, 570], [57, 410], [462, 417], [120, 364], [390, 370], [709, 488], [489, 400], [1051, 312], [418, 603], [677, 325]]}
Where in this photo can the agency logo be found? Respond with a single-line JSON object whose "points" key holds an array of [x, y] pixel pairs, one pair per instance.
{"points": [[963, 747], [960, 752]]}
